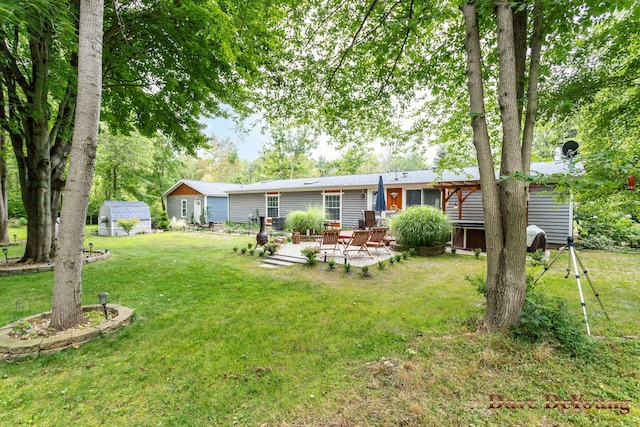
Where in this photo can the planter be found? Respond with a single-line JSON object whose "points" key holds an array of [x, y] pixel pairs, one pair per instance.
{"points": [[420, 250]]}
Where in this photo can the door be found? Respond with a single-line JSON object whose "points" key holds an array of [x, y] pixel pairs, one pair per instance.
{"points": [[197, 210], [394, 199]]}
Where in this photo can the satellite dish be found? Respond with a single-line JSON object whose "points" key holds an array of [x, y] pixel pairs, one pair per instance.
{"points": [[570, 149]]}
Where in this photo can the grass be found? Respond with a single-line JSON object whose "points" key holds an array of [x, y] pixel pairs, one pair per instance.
{"points": [[219, 341]]}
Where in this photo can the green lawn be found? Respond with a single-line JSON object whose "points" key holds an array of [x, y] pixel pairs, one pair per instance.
{"points": [[219, 341]]}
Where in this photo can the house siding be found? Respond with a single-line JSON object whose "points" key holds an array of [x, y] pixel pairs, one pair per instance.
{"points": [[243, 205], [352, 206], [549, 215]]}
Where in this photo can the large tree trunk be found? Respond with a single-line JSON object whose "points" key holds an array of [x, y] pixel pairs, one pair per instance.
{"points": [[504, 200], [67, 288], [4, 210]]}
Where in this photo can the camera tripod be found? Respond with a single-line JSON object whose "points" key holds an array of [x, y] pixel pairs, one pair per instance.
{"points": [[572, 268]]}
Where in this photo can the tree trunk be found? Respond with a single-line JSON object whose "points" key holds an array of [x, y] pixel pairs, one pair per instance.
{"points": [[4, 210], [67, 288], [504, 200]]}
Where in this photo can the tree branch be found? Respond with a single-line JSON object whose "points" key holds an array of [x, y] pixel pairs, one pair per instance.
{"points": [[343, 57], [400, 52]]}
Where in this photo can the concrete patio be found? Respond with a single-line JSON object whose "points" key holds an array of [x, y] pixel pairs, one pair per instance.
{"points": [[295, 250]]}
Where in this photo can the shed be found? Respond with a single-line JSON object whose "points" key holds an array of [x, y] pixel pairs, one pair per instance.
{"points": [[199, 202], [112, 211]]}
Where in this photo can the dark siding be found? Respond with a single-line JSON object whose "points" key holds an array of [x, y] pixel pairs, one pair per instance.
{"points": [[217, 208]]}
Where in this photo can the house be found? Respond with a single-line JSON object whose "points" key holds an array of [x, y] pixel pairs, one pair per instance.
{"points": [[199, 202], [344, 198], [112, 211]]}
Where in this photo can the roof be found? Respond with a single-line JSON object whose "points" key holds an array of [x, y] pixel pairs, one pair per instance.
{"points": [[205, 188], [388, 178], [128, 210]]}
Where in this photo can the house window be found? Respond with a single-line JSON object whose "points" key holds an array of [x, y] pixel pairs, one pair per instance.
{"points": [[414, 197], [183, 208], [273, 205], [332, 203]]}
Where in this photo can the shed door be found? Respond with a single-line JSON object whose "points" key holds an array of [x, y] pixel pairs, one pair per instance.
{"points": [[197, 210]]}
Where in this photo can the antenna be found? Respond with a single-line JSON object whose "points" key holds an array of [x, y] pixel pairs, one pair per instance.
{"points": [[570, 149]]}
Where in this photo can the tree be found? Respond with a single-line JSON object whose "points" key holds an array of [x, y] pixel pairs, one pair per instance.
{"points": [[67, 285], [165, 65], [361, 66], [4, 208], [288, 154]]}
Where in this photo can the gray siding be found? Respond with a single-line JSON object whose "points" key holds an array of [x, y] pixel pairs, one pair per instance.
{"points": [[550, 215], [174, 206], [352, 206], [471, 207], [298, 200], [243, 205], [544, 211]]}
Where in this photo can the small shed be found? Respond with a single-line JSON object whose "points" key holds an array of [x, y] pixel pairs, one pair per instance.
{"points": [[112, 211]]}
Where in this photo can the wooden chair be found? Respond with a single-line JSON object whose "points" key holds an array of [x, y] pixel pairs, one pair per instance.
{"points": [[330, 242], [369, 219], [377, 239], [358, 243]]}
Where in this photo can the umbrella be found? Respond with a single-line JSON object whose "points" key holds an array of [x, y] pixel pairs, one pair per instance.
{"points": [[381, 203]]}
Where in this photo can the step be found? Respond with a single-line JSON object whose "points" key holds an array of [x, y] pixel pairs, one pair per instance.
{"points": [[288, 258], [276, 262]]}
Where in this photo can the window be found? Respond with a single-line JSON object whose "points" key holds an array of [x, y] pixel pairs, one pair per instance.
{"points": [[332, 202], [414, 197], [183, 208], [273, 205]]}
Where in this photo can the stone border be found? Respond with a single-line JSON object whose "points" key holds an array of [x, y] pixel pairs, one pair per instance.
{"points": [[96, 256], [11, 348]]}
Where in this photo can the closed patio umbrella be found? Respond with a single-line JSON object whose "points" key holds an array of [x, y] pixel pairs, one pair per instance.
{"points": [[381, 203]]}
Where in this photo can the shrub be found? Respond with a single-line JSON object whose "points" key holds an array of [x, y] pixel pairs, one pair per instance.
{"points": [[312, 218], [331, 263], [381, 265], [347, 267], [398, 258], [163, 221], [365, 270], [453, 251], [310, 254], [477, 252], [421, 226], [544, 318], [177, 224], [128, 224]]}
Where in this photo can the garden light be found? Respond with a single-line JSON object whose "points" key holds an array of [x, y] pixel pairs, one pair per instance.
{"points": [[6, 251], [90, 249], [104, 298], [15, 238]]}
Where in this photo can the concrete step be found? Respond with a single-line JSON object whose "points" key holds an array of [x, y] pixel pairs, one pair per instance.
{"points": [[276, 262], [291, 259]]}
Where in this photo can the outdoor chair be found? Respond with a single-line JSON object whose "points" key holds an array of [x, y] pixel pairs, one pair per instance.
{"points": [[358, 244], [369, 219], [376, 240], [330, 242]]}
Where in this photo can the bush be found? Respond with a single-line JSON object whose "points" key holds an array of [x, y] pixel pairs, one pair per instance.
{"points": [[128, 224], [543, 318], [310, 254], [421, 226], [312, 218], [163, 221]]}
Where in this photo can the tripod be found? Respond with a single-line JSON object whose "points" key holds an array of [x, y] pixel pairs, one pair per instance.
{"points": [[572, 268]]}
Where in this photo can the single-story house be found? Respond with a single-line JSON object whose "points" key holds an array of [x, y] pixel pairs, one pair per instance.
{"points": [[112, 211], [199, 202], [344, 198]]}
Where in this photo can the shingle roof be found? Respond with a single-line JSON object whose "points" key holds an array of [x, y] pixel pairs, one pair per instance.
{"points": [[128, 210], [388, 178], [205, 188]]}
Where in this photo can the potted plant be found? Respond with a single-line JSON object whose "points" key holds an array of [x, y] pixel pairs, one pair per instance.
{"points": [[425, 228]]}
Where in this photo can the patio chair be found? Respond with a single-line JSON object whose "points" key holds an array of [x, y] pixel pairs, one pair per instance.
{"points": [[376, 240], [369, 219], [330, 242], [358, 244]]}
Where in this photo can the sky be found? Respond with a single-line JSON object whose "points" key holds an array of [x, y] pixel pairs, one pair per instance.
{"points": [[249, 137]]}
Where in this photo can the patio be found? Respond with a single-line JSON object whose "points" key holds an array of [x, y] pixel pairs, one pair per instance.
{"points": [[295, 250]]}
